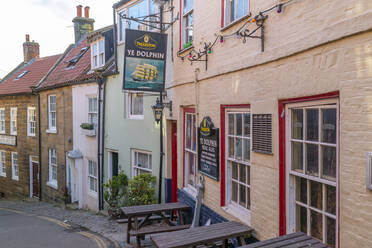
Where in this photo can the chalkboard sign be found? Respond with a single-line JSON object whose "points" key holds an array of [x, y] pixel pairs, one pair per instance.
{"points": [[208, 149]]}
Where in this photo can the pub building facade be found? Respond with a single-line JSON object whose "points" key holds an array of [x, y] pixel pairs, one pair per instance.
{"points": [[292, 110]]}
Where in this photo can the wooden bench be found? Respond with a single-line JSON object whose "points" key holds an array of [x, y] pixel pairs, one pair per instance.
{"points": [[151, 218], [297, 239], [204, 235]]}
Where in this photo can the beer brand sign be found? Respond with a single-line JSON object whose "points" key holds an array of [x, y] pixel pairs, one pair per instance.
{"points": [[144, 60], [208, 149]]}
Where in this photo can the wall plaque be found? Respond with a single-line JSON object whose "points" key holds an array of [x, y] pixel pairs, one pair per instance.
{"points": [[208, 149]]}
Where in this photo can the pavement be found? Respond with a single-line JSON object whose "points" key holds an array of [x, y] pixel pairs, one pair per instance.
{"points": [[23, 220]]}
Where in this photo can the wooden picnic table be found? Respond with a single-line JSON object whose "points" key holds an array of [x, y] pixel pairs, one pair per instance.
{"points": [[297, 240], [203, 235], [140, 229]]}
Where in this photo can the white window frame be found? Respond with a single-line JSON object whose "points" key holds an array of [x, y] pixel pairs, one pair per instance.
{"points": [[2, 121], [369, 171], [135, 167], [189, 187], [227, 16], [124, 11], [3, 163], [185, 28], [15, 166], [291, 175], [129, 96], [51, 128], [96, 53], [52, 182], [13, 121], [93, 177], [31, 121], [93, 113]]}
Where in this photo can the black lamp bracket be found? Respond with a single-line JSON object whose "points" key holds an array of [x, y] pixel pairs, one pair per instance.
{"points": [[260, 21]]}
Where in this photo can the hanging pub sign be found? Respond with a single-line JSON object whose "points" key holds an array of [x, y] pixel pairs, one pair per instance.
{"points": [[208, 148], [144, 60]]}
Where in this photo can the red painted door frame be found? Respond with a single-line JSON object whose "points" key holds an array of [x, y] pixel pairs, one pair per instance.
{"points": [[282, 159], [174, 160]]}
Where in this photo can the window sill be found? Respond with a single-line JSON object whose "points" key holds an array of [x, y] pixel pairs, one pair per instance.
{"points": [[15, 178], [53, 185], [2, 132], [191, 191], [136, 117], [2, 175], [13, 134], [242, 214], [31, 135], [237, 21], [184, 50], [51, 131]]}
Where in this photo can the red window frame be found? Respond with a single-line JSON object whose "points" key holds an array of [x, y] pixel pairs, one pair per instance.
{"points": [[282, 158], [223, 108], [185, 111]]}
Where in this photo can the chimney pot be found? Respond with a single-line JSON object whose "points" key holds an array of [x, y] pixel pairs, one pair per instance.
{"points": [[79, 10], [30, 49], [86, 12], [27, 37]]}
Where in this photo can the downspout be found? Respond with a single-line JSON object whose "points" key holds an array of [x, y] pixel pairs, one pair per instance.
{"points": [[39, 137], [99, 154], [196, 83], [103, 136], [115, 39]]}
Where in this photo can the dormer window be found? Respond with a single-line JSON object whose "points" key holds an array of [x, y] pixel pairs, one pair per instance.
{"points": [[21, 75], [98, 54], [72, 62]]}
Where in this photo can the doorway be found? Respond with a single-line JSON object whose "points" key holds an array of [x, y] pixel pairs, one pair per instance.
{"points": [[113, 162], [174, 160], [34, 178]]}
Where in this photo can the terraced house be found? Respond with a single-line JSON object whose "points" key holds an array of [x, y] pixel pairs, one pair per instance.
{"points": [[287, 85], [19, 126]]}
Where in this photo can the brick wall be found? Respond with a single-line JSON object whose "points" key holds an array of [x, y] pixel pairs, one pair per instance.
{"points": [[61, 141], [26, 146]]}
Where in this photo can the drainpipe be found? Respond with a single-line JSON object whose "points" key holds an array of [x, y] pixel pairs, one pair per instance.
{"points": [[39, 134], [115, 39], [196, 83], [100, 81], [103, 138]]}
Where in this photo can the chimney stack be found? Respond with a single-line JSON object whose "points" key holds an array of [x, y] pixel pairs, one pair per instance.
{"points": [[79, 11], [82, 25], [30, 49], [86, 12]]}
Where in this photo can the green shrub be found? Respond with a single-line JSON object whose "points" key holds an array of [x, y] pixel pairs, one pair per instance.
{"points": [[188, 44], [142, 190], [116, 194], [87, 126]]}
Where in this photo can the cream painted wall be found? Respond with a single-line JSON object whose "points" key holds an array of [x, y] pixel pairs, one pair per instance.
{"points": [[311, 48], [86, 144]]}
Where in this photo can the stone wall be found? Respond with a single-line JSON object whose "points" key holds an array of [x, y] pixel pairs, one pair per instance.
{"points": [[26, 146], [61, 141]]}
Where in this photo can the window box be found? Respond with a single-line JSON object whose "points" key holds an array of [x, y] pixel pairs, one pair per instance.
{"points": [[187, 45], [88, 129]]}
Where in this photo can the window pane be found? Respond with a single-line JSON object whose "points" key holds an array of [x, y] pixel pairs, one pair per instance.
{"points": [[331, 199], [248, 198], [248, 175], [242, 173], [301, 190], [234, 191], [231, 124], [191, 168], [101, 46], [331, 232], [188, 131], [316, 195], [194, 132], [312, 124], [247, 124], [301, 219], [297, 123], [316, 225], [239, 124], [142, 160], [329, 126], [312, 159], [247, 148], [238, 148], [231, 147], [240, 8], [188, 5], [329, 162], [242, 195], [297, 156], [234, 168], [232, 9]]}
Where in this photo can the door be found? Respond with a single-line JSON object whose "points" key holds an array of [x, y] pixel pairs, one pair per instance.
{"points": [[174, 161], [35, 179], [115, 163]]}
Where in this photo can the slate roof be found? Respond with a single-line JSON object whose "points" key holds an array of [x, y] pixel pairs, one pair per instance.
{"points": [[37, 68], [64, 74]]}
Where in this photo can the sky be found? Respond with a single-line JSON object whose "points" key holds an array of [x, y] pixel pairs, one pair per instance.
{"points": [[48, 22]]}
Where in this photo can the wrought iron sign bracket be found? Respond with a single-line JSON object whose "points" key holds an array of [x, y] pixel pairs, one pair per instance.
{"points": [[260, 21], [198, 55]]}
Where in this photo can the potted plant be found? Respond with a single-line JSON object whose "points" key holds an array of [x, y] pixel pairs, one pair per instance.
{"points": [[88, 129], [115, 194]]}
